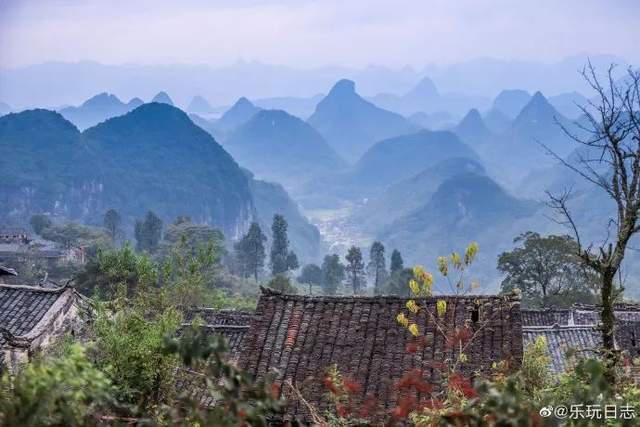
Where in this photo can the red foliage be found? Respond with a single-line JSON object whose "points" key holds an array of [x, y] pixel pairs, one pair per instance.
{"points": [[413, 379], [341, 410], [463, 385], [406, 405], [351, 386], [328, 383]]}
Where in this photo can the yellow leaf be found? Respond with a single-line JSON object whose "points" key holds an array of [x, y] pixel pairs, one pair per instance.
{"points": [[413, 285], [412, 306], [443, 265], [471, 252], [455, 260], [402, 319], [441, 307], [413, 328]]}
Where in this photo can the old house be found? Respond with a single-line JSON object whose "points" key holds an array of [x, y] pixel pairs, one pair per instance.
{"points": [[574, 333], [300, 337], [34, 318]]}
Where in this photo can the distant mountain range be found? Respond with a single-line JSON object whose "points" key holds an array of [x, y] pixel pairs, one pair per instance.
{"points": [[162, 98], [426, 98], [466, 207], [407, 195], [153, 158], [351, 124], [98, 109], [199, 105], [280, 147]]}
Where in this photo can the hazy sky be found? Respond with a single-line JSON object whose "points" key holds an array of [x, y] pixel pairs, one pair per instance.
{"points": [[311, 33]]}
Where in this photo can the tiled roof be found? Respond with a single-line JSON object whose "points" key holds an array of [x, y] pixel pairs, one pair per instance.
{"points": [[546, 317], [213, 316], [22, 307], [301, 337], [584, 340], [233, 334]]}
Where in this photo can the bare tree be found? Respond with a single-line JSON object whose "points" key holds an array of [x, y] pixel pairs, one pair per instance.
{"points": [[610, 160]]}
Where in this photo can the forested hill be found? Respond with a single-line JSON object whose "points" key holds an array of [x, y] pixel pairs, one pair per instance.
{"points": [[153, 158]]}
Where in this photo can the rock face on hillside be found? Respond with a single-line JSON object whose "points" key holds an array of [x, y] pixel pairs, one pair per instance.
{"points": [[351, 124], [153, 158]]}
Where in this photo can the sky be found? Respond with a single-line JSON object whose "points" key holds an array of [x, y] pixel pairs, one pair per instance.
{"points": [[313, 33]]}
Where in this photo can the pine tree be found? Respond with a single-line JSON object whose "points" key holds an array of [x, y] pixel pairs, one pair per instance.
{"points": [[250, 251], [292, 261], [279, 246], [332, 274], [148, 232], [397, 264], [377, 266], [355, 268]]}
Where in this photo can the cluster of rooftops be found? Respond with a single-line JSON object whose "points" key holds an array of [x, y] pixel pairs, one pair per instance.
{"points": [[295, 338]]}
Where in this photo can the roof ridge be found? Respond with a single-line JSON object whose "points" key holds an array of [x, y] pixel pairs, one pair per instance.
{"points": [[268, 292], [36, 288]]}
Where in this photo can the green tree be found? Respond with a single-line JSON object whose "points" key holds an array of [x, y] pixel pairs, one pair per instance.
{"points": [[292, 261], [111, 268], [355, 269], [311, 275], [333, 274], [250, 252], [377, 266], [548, 271], [282, 283], [279, 246], [39, 222], [148, 232], [112, 222], [58, 390], [397, 282], [130, 336], [189, 273], [397, 264], [72, 234]]}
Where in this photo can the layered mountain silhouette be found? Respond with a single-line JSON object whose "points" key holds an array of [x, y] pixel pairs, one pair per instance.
{"points": [[528, 142], [472, 130], [569, 104], [199, 105], [153, 158], [351, 124], [98, 109], [511, 102], [404, 197], [423, 97], [434, 121], [496, 120], [300, 107], [399, 158], [240, 113], [162, 98], [280, 147], [465, 206]]}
